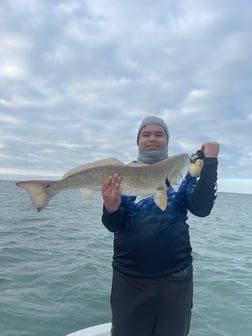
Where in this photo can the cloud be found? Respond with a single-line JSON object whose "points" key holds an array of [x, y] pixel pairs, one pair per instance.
{"points": [[77, 77]]}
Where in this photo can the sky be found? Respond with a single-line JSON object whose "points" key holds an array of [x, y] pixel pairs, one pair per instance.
{"points": [[77, 77]]}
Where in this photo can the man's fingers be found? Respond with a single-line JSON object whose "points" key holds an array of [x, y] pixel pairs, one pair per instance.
{"points": [[111, 184]]}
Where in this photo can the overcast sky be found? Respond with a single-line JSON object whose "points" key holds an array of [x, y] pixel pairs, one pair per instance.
{"points": [[77, 77]]}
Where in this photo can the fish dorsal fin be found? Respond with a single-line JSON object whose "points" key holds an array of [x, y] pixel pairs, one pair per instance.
{"points": [[137, 164], [99, 163]]}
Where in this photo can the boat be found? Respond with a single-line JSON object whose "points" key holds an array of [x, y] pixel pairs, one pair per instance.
{"points": [[98, 330]]}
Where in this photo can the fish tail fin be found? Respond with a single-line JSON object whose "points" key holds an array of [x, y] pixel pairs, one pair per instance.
{"points": [[38, 191], [160, 198]]}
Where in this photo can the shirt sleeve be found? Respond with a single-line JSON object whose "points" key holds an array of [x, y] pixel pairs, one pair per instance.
{"points": [[201, 201], [113, 221]]}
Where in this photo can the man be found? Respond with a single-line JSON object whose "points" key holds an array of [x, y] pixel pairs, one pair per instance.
{"points": [[152, 263]]}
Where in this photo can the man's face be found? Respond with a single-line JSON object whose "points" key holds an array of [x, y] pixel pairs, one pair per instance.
{"points": [[152, 137]]}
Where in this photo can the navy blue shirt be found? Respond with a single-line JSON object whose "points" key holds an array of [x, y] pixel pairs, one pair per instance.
{"points": [[152, 243]]}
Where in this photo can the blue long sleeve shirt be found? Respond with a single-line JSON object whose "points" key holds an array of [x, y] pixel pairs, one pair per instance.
{"points": [[152, 243]]}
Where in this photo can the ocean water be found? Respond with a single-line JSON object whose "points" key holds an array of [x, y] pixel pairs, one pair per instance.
{"points": [[55, 266]]}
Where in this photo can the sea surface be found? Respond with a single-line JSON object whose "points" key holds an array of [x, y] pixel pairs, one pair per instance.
{"points": [[55, 266]]}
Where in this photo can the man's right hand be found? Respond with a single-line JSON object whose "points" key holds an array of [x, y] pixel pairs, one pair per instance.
{"points": [[111, 192]]}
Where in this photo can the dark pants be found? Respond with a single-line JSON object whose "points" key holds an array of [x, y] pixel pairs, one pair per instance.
{"points": [[145, 307]]}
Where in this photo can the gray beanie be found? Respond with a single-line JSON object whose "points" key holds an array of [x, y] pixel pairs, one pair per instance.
{"points": [[152, 120]]}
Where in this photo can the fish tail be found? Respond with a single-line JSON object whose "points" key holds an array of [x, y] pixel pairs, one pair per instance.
{"points": [[39, 192]]}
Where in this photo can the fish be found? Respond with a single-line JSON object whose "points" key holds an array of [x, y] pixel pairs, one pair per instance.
{"points": [[138, 179]]}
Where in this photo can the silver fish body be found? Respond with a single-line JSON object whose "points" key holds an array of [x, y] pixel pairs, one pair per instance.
{"points": [[140, 180]]}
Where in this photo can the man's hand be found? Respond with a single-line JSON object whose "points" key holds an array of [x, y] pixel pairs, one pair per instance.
{"points": [[211, 149], [111, 192]]}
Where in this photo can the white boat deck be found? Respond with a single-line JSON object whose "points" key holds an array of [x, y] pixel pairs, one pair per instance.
{"points": [[99, 330]]}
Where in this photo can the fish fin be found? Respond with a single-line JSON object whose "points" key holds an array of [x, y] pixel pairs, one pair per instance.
{"points": [[140, 198], [38, 191], [104, 162], [85, 193], [137, 164], [160, 198]]}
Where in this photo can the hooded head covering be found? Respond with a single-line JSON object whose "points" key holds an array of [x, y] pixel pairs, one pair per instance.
{"points": [[152, 120], [157, 155]]}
